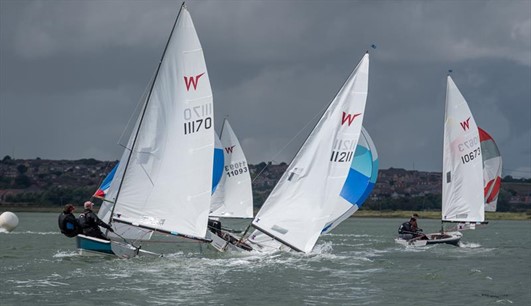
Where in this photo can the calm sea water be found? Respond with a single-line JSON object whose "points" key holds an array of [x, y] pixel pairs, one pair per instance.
{"points": [[359, 264]]}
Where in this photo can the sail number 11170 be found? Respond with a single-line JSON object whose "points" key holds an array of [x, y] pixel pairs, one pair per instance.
{"points": [[197, 118]]}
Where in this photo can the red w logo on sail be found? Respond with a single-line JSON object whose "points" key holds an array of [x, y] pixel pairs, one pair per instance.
{"points": [[465, 124], [348, 118], [229, 149], [192, 81]]}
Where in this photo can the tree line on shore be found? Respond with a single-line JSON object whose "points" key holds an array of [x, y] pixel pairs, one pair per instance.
{"points": [[17, 189]]}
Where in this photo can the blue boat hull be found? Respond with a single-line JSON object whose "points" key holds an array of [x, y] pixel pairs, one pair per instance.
{"points": [[93, 246]]}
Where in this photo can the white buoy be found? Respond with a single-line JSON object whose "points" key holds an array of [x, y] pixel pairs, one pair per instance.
{"points": [[8, 221]]}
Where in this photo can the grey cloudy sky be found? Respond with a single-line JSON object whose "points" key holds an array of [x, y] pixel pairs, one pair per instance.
{"points": [[72, 72]]}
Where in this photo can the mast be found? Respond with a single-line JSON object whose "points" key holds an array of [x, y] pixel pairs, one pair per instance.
{"points": [[144, 112]]}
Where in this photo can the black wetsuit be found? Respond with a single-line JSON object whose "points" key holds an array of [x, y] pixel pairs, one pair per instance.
{"points": [[90, 224], [406, 231], [68, 224], [406, 228]]}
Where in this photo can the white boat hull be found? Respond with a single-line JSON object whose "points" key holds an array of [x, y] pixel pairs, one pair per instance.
{"points": [[447, 237], [227, 242], [452, 238]]}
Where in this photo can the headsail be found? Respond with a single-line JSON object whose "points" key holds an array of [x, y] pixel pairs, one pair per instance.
{"points": [[300, 205], [167, 176], [233, 197], [492, 169], [462, 194]]}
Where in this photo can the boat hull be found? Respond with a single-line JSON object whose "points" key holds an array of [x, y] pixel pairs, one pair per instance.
{"points": [[452, 238], [90, 246], [228, 243]]}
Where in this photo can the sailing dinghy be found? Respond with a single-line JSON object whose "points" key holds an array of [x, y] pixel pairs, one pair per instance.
{"points": [[163, 182], [320, 186], [233, 196], [462, 176]]}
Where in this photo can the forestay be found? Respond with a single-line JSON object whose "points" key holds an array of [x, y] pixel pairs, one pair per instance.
{"points": [[167, 177], [233, 197], [462, 197], [302, 202]]}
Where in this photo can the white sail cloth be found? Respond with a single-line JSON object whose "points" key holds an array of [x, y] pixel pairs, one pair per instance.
{"points": [[233, 197]]}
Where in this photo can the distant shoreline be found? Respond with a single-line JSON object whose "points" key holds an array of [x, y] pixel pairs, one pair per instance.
{"points": [[399, 214], [437, 215]]}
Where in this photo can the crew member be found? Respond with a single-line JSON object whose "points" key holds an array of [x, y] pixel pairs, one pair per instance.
{"points": [[409, 230], [67, 222], [90, 223]]}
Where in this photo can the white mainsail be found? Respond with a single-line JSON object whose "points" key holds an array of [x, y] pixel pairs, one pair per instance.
{"points": [[462, 193], [302, 202], [233, 197], [166, 175]]}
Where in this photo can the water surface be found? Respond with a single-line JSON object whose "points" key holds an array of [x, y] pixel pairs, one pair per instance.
{"points": [[358, 264]]}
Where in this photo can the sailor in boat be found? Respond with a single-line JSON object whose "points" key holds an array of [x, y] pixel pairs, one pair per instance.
{"points": [[214, 226], [67, 222], [90, 223], [410, 231]]}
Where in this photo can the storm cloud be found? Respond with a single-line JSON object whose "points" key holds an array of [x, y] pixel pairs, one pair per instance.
{"points": [[73, 72]]}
